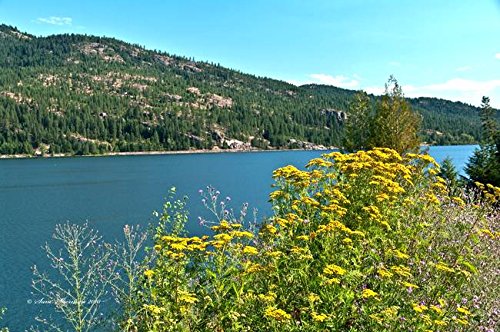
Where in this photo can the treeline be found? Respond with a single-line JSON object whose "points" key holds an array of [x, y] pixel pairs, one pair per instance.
{"points": [[79, 94]]}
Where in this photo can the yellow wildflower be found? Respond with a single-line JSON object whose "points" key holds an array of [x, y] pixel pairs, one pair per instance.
{"points": [[223, 237], [270, 229], [437, 309], [331, 281], [409, 285], [178, 246], [318, 317], [400, 254], [282, 222], [347, 240], [401, 270], [390, 312], [250, 267], [250, 250], [187, 297], [368, 293], [313, 297], [276, 253], [462, 321], [175, 255], [149, 274], [463, 310], [440, 322], [432, 198], [276, 194], [443, 267], [376, 318], [155, 310], [382, 197], [223, 226], [458, 201], [242, 234], [277, 314], [420, 307], [334, 269], [269, 297], [384, 273]]}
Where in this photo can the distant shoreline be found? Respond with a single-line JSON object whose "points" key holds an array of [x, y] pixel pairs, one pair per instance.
{"points": [[154, 153], [157, 153]]}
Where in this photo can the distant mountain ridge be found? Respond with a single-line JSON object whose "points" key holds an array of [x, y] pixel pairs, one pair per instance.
{"points": [[78, 94]]}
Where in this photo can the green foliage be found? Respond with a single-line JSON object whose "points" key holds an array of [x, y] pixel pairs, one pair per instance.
{"points": [[392, 124], [395, 125], [484, 164], [78, 94], [358, 127], [488, 123], [369, 241], [449, 173]]}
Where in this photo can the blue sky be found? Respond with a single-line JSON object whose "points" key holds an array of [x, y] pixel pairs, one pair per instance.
{"points": [[439, 48]]}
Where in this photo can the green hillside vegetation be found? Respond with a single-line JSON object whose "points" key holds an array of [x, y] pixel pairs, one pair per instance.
{"points": [[78, 94]]}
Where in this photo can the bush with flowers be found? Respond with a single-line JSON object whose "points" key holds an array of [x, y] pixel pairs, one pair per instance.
{"points": [[368, 241]]}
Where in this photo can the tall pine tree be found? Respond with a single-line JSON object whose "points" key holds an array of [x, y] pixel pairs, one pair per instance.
{"points": [[484, 165]]}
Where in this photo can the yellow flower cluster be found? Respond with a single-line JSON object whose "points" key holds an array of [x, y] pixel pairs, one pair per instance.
{"points": [[368, 293], [401, 270], [269, 297], [277, 314], [250, 250], [334, 269], [153, 309], [318, 317], [443, 267], [175, 247], [351, 231], [420, 308], [187, 297], [293, 175]]}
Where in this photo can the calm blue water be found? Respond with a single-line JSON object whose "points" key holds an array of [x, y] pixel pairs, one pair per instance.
{"points": [[109, 192]]}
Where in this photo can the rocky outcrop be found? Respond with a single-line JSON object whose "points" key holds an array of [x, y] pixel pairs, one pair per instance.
{"points": [[341, 116]]}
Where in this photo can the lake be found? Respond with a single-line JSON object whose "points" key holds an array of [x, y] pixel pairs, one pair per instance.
{"points": [[110, 192]]}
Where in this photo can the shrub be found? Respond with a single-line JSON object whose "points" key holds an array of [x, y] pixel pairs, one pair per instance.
{"points": [[369, 241], [82, 272]]}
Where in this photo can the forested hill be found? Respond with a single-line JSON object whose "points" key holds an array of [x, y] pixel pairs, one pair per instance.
{"points": [[81, 94]]}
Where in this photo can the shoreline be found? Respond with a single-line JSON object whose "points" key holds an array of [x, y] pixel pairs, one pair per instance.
{"points": [[161, 152], [157, 153]]}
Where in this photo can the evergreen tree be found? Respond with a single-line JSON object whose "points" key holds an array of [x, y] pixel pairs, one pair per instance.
{"points": [[449, 173], [357, 127], [484, 164]]}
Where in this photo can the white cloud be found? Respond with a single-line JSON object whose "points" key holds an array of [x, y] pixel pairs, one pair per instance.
{"points": [[55, 20], [376, 90], [395, 64], [463, 68], [456, 89], [338, 81], [497, 56]]}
